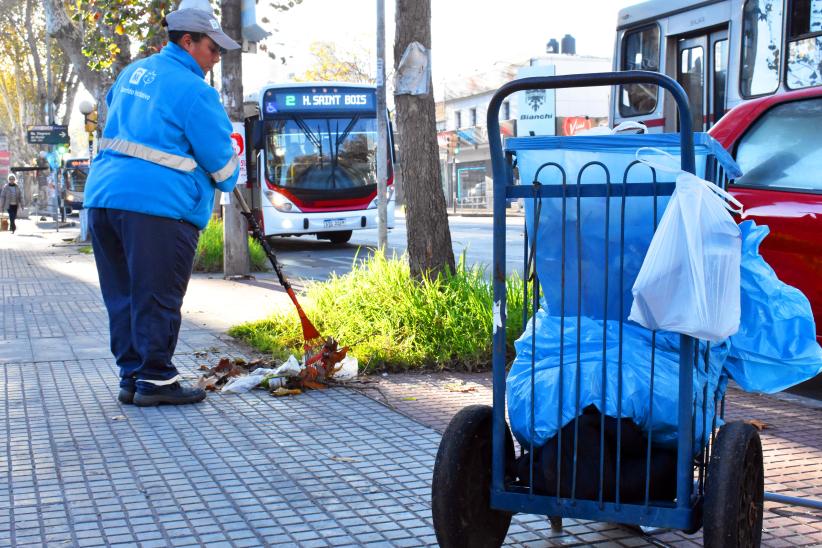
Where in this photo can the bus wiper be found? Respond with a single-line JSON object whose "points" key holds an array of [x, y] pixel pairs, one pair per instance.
{"points": [[313, 137], [341, 137]]}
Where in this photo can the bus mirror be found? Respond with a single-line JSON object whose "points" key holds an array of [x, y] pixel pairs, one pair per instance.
{"points": [[258, 135]]}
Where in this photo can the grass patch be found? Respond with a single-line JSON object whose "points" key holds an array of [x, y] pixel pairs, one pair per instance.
{"points": [[394, 322], [87, 249], [209, 256]]}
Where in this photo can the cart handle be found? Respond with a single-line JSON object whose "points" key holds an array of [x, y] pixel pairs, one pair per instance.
{"points": [[585, 81]]}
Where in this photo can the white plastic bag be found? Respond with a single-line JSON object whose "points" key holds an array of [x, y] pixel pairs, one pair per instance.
{"points": [[689, 281], [347, 369]]}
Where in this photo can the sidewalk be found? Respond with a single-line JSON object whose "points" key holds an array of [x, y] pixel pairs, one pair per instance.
{"points": [[331, 467]]}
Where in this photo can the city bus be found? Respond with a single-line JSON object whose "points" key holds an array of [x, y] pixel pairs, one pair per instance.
{"points": [[722, 52], [72, 177], [314, 160]]}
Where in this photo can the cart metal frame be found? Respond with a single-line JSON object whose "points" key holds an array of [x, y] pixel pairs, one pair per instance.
{"points": [[686, 512]]}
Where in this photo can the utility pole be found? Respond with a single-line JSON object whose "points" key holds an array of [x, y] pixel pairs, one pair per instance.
{"points": [[236, 261], [50, 121], [382, 133]]}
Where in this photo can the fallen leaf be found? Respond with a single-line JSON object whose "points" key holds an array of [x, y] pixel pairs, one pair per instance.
{"points": [[204, 368], [208, 383], [118, 418], [409, 398], [313, 385], [460, 387], [286, 392], [758, 424], [344, 459]]}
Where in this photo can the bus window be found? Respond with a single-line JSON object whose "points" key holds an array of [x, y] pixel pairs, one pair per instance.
{"points": [[720, 78], [690, 76], [640, 51], [761, 47], [804, 60]]}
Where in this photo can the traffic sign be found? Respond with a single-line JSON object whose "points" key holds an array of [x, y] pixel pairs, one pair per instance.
{"points": [[48, 135]]}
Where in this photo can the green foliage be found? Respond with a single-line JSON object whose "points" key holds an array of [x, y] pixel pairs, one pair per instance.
{"points": [[109, 24], [392, 321], [209, 255], [85, 249], [329, 65]]}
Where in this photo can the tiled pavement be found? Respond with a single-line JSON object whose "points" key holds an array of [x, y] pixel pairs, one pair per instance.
{"points": [[326, 468], [791, 442]]}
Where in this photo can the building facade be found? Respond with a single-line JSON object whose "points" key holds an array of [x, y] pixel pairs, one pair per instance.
{"points": [[462, 127]]}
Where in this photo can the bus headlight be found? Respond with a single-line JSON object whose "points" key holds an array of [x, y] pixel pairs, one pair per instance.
{"points": [[280, 202], [389, 194], [69, 196]]}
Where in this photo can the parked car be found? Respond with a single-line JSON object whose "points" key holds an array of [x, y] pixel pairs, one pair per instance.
{"points": [[776, 141]]}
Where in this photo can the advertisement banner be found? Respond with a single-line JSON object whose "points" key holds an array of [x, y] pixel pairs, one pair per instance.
{"points": [[536, 108], [238, 142]]}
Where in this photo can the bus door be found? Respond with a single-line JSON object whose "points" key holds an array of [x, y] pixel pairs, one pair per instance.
{"points": [[702, 70]]}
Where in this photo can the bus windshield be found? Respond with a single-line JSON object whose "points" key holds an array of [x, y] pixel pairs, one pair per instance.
{"points": [[76, 178], [322, 154]]}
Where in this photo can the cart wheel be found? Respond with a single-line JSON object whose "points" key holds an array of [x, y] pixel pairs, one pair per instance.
{"points": [[461, 486], [734, 489]]}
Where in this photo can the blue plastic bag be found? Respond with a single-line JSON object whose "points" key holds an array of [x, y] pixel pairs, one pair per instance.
{"points": [[775, 347], [627, 243], [606, 240], [636, 379]]}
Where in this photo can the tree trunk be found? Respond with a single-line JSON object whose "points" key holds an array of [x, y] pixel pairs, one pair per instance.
{"points": [[426, 216], [236, 260]]}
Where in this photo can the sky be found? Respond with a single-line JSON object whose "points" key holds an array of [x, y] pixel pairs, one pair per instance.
{"points": [[467, 35]]}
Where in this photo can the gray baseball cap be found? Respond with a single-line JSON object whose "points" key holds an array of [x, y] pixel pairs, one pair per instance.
{"points": [[195, 20]]}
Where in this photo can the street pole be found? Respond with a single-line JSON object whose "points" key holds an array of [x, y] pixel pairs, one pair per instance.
{"points": [[236, 258], [50, 121], [382, 133]]}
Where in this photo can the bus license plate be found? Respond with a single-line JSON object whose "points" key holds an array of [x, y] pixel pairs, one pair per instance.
{"points": [[328, 223]]}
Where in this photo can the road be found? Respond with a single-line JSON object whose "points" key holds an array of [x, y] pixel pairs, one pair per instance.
{"points": [[308, 258]]}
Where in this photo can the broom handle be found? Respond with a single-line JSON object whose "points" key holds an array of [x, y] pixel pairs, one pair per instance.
{"points": [[309, 331]]}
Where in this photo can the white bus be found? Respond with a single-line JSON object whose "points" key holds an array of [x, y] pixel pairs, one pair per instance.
{"points": [[315, 160], [722, 52]]}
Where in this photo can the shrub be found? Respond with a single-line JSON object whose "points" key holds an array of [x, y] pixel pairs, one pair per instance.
{"points": [[209, 255], [392, 321]]}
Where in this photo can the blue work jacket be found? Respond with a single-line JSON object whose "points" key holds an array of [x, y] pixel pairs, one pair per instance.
{"points": [[167, 142]]}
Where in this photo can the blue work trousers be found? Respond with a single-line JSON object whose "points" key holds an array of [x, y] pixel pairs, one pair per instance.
{"points": [[144, 263]]}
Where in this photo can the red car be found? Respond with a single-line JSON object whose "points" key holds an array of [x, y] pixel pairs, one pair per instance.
{"points": [[777, 141]]}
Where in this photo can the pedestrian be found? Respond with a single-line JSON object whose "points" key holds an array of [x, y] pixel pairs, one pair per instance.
{"points": [[165, 148], [11, 198]]}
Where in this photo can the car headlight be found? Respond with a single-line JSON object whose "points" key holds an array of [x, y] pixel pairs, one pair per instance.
{"points": [[280, 202], [375, 202]]}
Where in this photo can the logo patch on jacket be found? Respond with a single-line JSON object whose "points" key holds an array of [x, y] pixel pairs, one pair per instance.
{"points": [[135, 78]]}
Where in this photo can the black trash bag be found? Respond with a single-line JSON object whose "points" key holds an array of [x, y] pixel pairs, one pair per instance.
{"points": [[632, 467]]}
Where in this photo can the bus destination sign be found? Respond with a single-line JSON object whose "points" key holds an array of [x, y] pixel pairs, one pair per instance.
{"points": [[319, 100]]}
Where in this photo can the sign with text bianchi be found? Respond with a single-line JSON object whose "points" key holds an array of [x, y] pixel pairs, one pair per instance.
{"points": [[536, 108], [48, 135]]}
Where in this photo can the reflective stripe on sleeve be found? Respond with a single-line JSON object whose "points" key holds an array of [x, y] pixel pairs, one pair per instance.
{"points": [[136, 150], [226, 171]]}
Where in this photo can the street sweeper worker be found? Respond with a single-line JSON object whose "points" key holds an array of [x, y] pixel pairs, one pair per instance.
{"points": [[165, 148]]}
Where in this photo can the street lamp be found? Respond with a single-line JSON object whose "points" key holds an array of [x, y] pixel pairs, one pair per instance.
{"points": [[89, 112]]}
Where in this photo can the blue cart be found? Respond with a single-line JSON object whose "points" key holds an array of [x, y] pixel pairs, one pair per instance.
{"points": [[713, 477]]}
